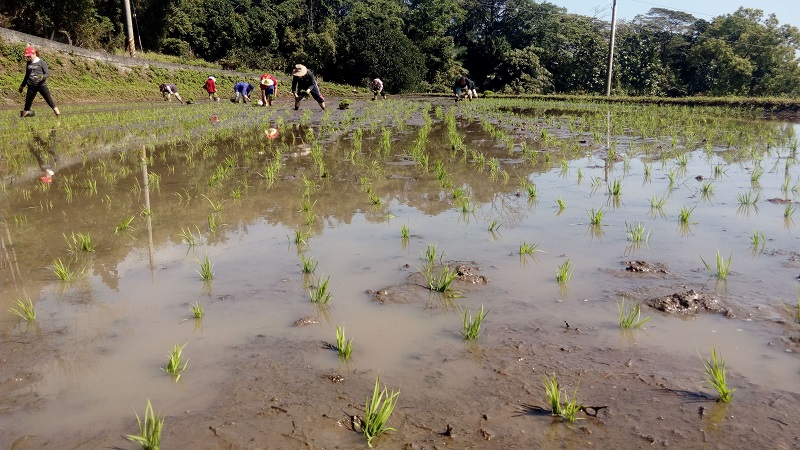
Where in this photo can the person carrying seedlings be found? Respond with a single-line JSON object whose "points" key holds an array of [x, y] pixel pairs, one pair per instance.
{"points": [[168, 90], [269, 89], [211, 87], [36, 73], [304, 85], [464, 86], [242, 90], [377, 89]]}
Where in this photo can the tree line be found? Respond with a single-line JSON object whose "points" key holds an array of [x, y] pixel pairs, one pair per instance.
{"points": [[508, 46]]}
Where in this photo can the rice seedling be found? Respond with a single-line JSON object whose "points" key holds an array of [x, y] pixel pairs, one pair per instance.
{"points": [[306, 205], [311, 217], [722, 266], [615, 188], [300, 237], [756, 174], [188, 237], [124, 225], [404, 232], [788, 210], [657, 203], [79, 243], [715, 377], [26, 311], [630, 316], [430, 254], [636, 233], [718, 171], [205, 271], [307, 265], [343, 346], [707, 190], [684, 214], [197, 310], [494, 226], [795, 314], [527, 249], [64, 272], [571, 407], [472, 325], [377, 411], [757, 239], [441, 282], [749, 198], [595, 217], [553, 393], [682, 159], [150, 428], [564, 272], [560, 203], [319, 293], [175, 363], [375, 199]]}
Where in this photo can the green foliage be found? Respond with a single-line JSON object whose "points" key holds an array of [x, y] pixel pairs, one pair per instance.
{"points": [[206, 269], [344, 346], [197, 310], [715, 377], [24, 310], [176, 364], [150, 427], [377, 411], [722, 266], [472, 325], [630, 316]]}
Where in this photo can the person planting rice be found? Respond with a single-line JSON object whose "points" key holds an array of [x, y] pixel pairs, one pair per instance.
{"points": [[377, 89], [269, 89], [168, 90], [464, 86], [304, 85], [36, 73], [211, 88], [242, 90]]}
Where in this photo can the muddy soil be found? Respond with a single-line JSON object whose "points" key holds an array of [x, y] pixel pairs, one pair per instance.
{"points": [[486, 394]]}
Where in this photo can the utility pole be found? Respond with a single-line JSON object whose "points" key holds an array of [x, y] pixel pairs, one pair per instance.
{"points": [[610, 46], [129, 22]]}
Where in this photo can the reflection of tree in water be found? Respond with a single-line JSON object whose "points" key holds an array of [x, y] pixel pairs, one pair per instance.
{"points": [[507, 210]]}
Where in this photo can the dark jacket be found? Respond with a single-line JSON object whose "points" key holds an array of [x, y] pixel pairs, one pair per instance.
{"points": [[303, 83], [457, 85], [36, 73]]}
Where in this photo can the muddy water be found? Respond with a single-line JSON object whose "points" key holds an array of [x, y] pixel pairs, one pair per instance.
{"points": [[95, 353]]}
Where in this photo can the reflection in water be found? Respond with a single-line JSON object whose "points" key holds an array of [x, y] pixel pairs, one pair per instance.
{"points": [[44, 150]]}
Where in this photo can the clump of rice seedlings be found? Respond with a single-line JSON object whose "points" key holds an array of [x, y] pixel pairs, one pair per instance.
{"points": [[722, 266], [564, 272], [441, 282], [457, 193], [707, 190], [789, 310], [404, 232], [571, 407], [311, 217], [685, 213], [188, 237], [377, 412], [300, 237], [124, 225], [64, 272], [682, 159], [430, 254], [553, 393], [206, 270], [343, 346], [527, 249], [750, 198], [756, 175], [789, 210], [79, 243], [615, 188], [595, 217], [718, 171], [757, 239], [636, 233], [307, 265], [529, 188], [715, 377], [560, 203], [197, 310], [306, 205], [472, 325], [630, 316], [494, 226], [176, 364], [150, 428], [657, 203], [466, 206], [319, 293], [26, 311]]}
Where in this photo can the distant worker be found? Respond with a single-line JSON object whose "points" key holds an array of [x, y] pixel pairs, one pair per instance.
{"points": [[211, 88], [242, 90], [304, 85], [269, 89], [464, 86], [377, 89], [168, 90], [36, 73]]}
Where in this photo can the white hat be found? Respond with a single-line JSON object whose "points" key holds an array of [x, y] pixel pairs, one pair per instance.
{"points": [[269, 82], [299, 70], [212, 78]]}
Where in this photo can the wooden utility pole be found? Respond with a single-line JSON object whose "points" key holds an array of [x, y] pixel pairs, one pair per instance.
{"points": [[129, 23], [610, 47]]}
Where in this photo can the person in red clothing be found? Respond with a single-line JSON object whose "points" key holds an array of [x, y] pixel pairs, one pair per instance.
{"points": [[211, 88], [269, 89]]}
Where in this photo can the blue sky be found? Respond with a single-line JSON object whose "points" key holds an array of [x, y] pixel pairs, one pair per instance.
{"points": [[787, 11]]}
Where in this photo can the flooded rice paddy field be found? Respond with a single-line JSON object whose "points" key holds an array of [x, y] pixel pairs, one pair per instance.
{"points": [[160, 188]]}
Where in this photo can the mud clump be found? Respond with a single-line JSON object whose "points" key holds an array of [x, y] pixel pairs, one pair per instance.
{"points": [[689, 302], [415, 288], [467, 275], [644, 267], [307, 320]]}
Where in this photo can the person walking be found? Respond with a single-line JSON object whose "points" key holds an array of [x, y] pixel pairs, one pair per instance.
{"points": [[36, 73], [168, 90], [211, 88], [377, 89], [304, 85], [269, 89], [464, 86], [242, 89]]}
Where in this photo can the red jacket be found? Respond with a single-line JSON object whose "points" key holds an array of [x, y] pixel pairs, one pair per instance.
{"points": [[268, 76], [211, 86]]}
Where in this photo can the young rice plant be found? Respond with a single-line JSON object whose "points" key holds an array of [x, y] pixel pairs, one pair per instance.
{"points": [[377, 412]]}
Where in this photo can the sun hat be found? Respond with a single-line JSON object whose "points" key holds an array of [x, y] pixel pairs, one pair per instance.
{"points": [[30, 51], [299, 70], [212, 78], [269, 82]]}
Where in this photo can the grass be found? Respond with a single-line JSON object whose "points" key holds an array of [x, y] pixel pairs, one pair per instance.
{"points": [[757, 239], [472, 325], [197, 310], [563, 409], [749, 198], [300, 237], [657, 203], [124, 225], [404, 232], [595, 216], [377, 412], [24, 310], [205, 271], [64, 272], [630, 316], [79, 243], [343, 346], [564, 272], [715, 377], [319, 293], [441, 281], [685, 213], [722, 266], [176, 364], [495, 226], [571, 407], [188, 237], [527, 249], [615, 188], [307, 265], [636, 233], [150, 428]]}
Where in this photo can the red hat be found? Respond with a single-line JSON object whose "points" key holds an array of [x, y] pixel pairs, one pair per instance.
{"points": [[30, 51]]}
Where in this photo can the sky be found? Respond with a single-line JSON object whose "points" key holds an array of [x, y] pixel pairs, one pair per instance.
{"points": [[787, 11]]}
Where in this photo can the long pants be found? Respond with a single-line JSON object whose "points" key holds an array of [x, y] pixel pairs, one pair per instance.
{"points": [[33, 90]]}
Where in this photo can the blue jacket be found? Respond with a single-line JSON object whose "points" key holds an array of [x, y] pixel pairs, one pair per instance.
{"points": [[243, 87]]}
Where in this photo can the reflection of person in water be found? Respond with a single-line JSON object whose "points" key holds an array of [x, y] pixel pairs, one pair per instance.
{"points": [[44, 152]]}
